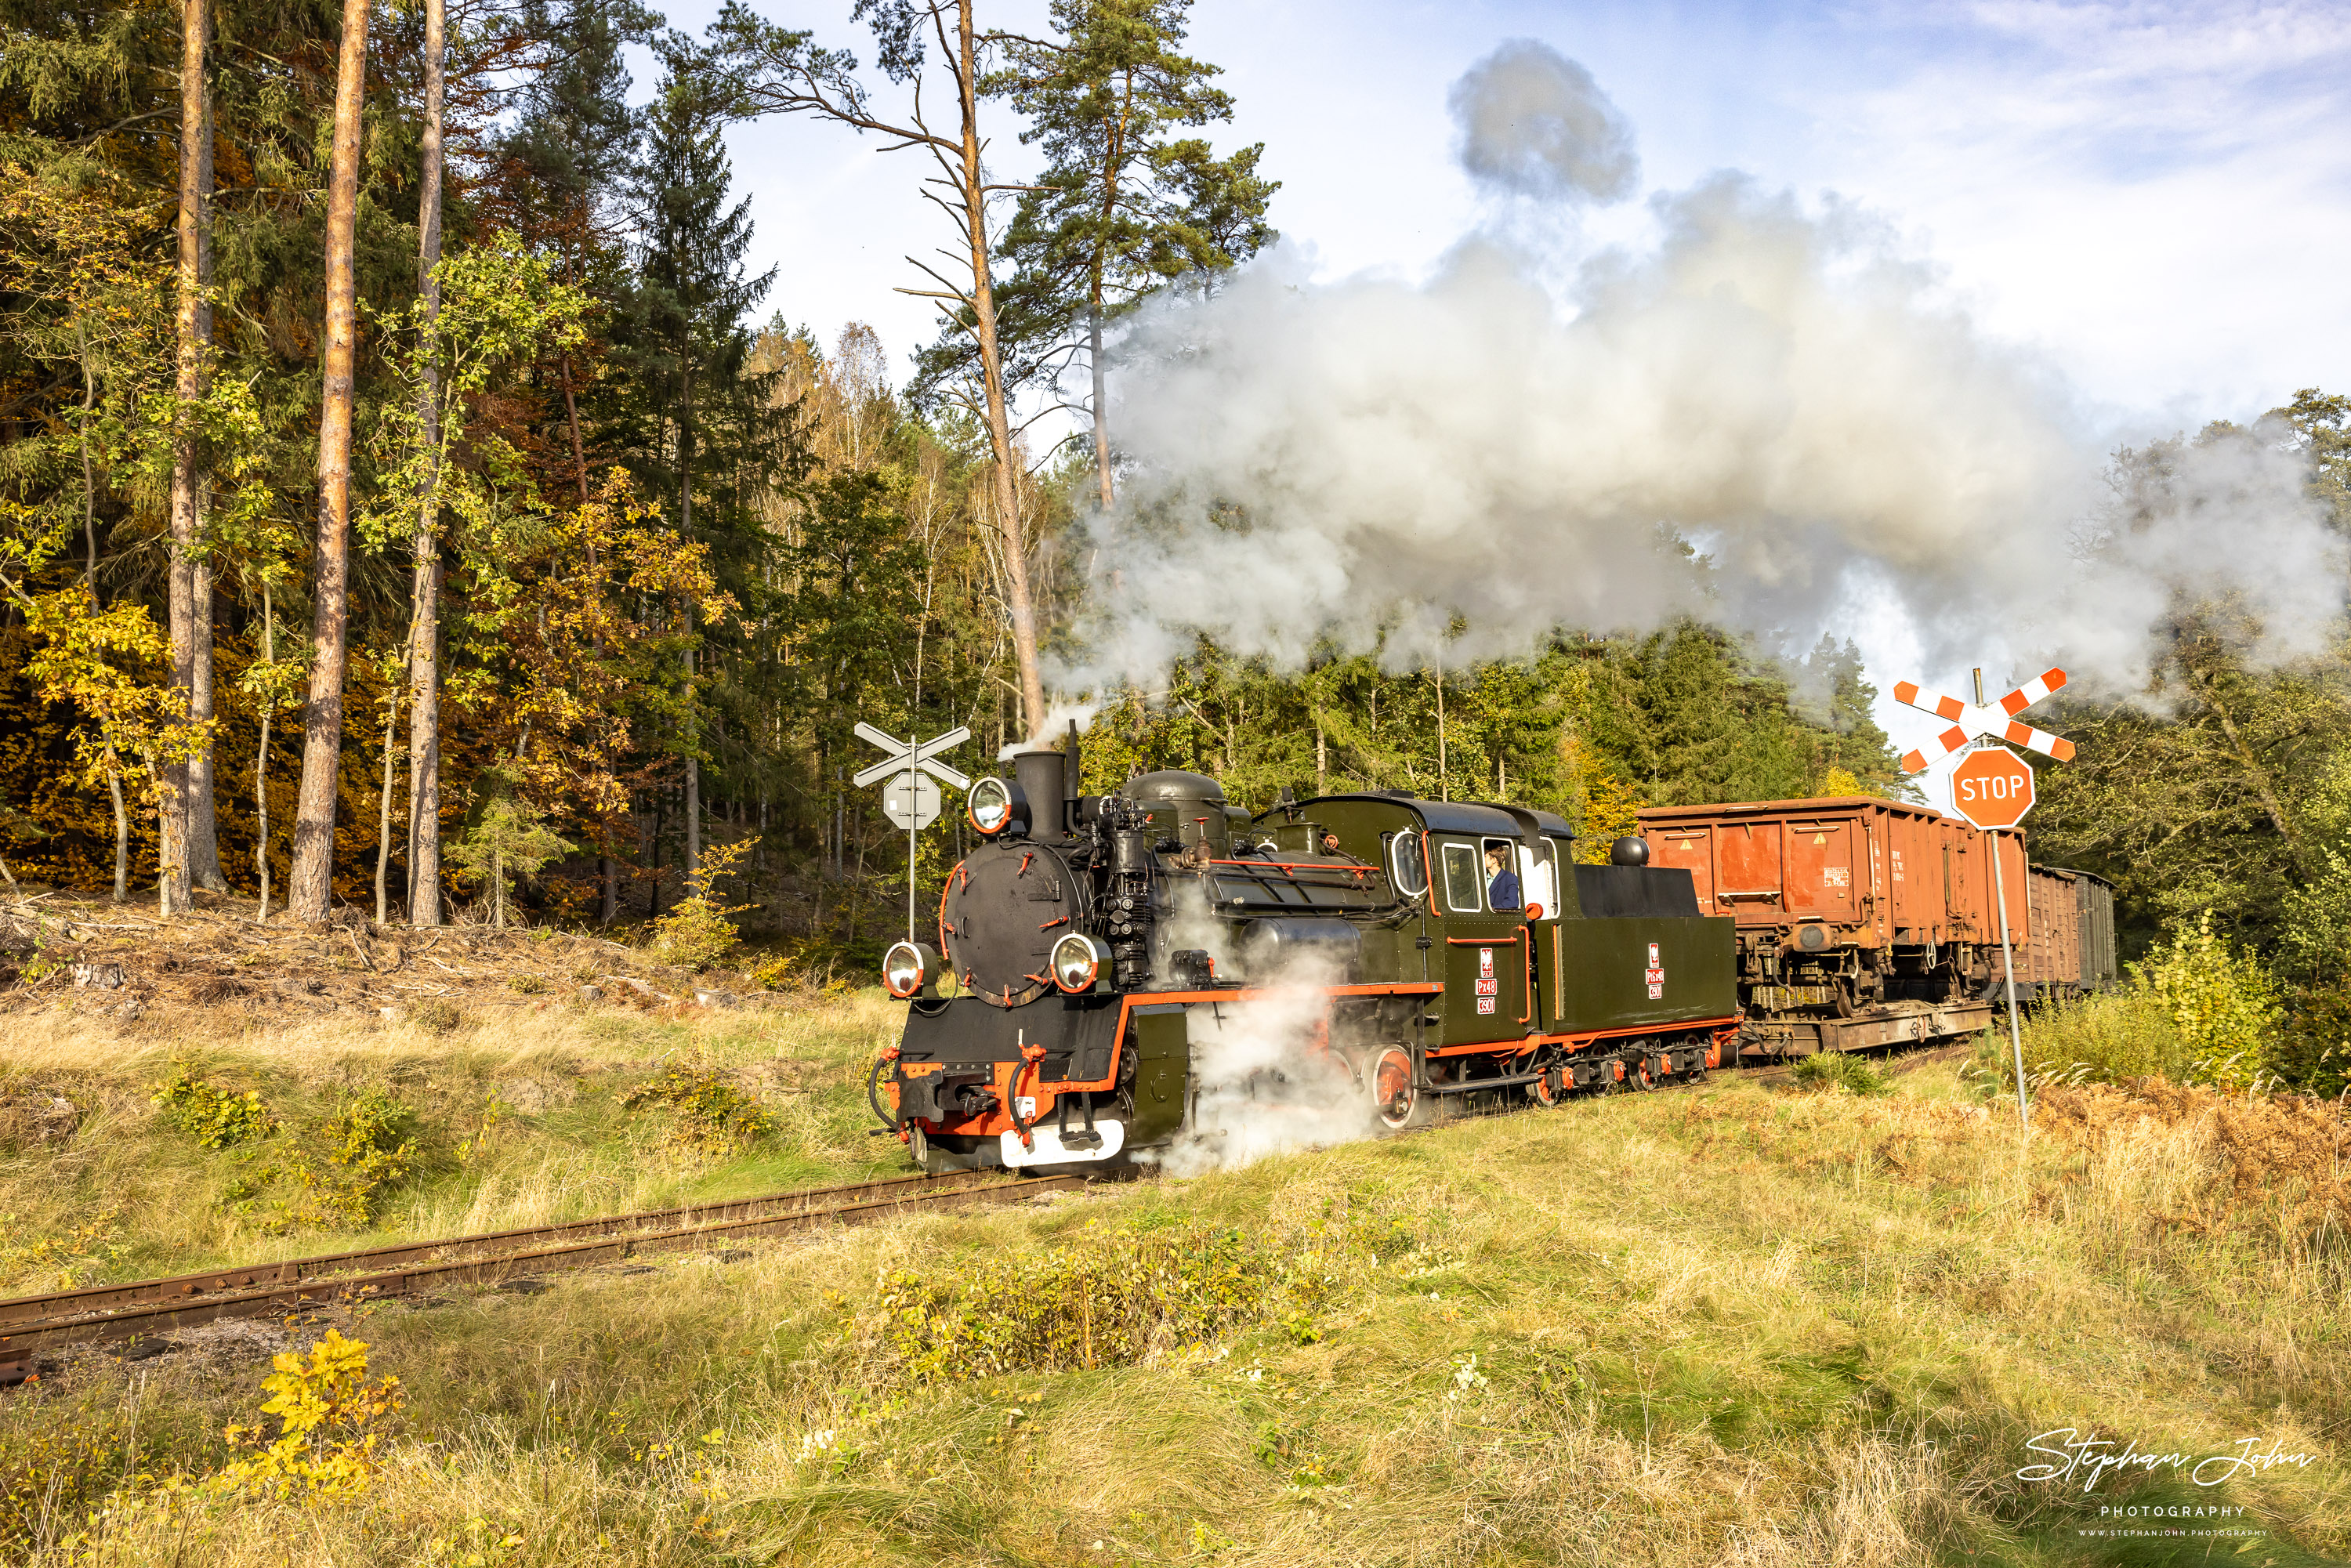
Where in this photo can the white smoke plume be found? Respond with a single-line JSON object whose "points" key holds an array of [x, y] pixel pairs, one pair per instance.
{"points": [[1776, 387], [1267, 1086], [1533, 123], [1059, 716]]}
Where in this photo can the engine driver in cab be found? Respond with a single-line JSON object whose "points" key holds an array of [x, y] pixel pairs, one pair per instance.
{"points": [[1501, 882]]}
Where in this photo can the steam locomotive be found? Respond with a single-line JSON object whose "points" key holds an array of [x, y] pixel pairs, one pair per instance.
{"points": [[1109, 952]]}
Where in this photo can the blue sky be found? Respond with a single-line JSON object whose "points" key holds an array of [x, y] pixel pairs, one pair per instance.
{"points": [[2153, 200], [2155, 197]]}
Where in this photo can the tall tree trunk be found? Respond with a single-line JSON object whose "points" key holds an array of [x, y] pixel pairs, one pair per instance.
{"points": [[122, 833], [571, 418], [693, 801], [164, 903], [991, 375], [1102, 414], [383, 806], [193, 331], [313, 880], [203, 829], [89, 473], [203, 826], [424, 654], [261, 758], [653, 896], [607, 871], [1444, 778]]}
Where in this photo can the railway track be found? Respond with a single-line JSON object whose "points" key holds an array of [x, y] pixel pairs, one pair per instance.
{"points": [[104, 1313], [99, 1313]]}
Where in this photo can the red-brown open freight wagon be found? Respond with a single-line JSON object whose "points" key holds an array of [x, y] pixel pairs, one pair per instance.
{"points": [[1868, 922]]}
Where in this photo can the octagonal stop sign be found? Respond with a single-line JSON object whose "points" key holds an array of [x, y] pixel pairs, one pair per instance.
{"points": [[1993, 788]]}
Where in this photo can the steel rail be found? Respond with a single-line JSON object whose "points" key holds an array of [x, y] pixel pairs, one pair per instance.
{"points": [[148, 1306], [133, 1308]]}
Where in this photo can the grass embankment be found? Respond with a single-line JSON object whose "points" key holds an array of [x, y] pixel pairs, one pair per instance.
{"points": [[1731, 1324], [301, 1135]]}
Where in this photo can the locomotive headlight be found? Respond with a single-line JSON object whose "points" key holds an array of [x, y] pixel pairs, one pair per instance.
{"points": [[1078, 963], [910, 969], [993, 806]]}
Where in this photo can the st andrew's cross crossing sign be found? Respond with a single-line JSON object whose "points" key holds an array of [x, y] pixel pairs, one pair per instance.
{"points": [[1981, 720], [911, 797], [912, 800], [1993, 788]]}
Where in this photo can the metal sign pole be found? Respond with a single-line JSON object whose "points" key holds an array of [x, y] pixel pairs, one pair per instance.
{"points": [[2007, 968], [912, 828]]}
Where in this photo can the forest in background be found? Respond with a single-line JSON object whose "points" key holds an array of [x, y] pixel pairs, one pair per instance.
{"points": [[411, 499]]}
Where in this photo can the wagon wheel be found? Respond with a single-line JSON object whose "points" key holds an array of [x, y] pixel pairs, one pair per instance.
{"points": [[1551, 1089], [1394, 1099], [1637, 1075]]}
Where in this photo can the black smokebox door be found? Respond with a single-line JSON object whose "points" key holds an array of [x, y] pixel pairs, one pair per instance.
{"points": [[1012, 903]]}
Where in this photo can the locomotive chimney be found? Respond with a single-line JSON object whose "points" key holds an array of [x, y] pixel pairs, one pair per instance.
{"points": [[1073, 779], [1040, 776]]}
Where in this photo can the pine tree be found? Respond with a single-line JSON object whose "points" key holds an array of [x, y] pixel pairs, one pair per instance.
{"points": [[1124, 206], [189, 816], [767, 70], [705, 425], [563, 172], [311, 888]]}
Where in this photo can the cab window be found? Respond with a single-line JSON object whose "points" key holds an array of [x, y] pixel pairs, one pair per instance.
{"points": [[1464, 884], [1405, 864], [1511, 894]]}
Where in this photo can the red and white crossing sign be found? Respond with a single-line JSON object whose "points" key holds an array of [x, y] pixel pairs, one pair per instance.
{"points": [[1969, 723], [1992, 787]]}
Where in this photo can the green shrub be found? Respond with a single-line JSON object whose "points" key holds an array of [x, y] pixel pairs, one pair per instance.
{"points": [[352, 1157], [697, 933], [1107, 1300], [527, 985], [712, 1112], [503, 839], [2222, 1000], [2107, 1039], [216, 1117], [1839, 1071]]}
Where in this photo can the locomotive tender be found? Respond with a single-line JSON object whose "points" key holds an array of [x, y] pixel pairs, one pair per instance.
{"points": [[1103, 949]]}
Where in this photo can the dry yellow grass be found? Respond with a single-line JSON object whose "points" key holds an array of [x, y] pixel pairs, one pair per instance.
{"points": [[1725, 1326], [517, 1122]]}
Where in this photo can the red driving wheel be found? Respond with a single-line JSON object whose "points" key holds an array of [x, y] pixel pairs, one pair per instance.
{"points": [[1391, 1086]]}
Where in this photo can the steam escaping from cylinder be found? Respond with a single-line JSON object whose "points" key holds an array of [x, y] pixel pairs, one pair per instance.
{"points": [[1773, 419], [1267, 1082]]}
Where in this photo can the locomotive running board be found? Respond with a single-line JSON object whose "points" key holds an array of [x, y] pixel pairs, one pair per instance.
{"points": [[1805, 1037]]}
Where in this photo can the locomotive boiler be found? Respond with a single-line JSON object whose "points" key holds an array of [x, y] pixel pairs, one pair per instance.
{"points": [[1095, 953]]}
